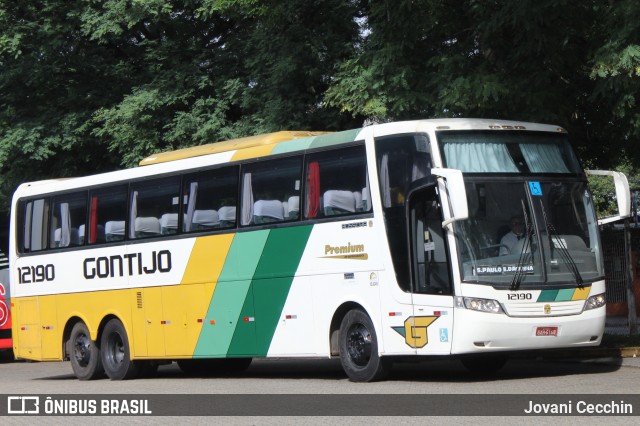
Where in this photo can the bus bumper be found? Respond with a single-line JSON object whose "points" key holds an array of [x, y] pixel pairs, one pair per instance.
{"points": [[479, 332]]}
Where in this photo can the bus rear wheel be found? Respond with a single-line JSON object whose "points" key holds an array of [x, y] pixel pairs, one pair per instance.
{"points": [[116, 353], [84, 354], [359, 349]]}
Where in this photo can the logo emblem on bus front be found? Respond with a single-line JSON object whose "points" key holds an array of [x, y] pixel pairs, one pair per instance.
{"points": [[415, 330], [547, 309]]}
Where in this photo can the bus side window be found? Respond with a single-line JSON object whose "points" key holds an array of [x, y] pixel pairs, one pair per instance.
{"points": [[210, 199], [271, 191], [151, 200], [107, 214], [67, 220], [337, 183], [35, 215]]}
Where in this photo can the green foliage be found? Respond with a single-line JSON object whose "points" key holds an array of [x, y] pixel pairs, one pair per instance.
{"points": [[604, 195], [96, 85], [616, 73]]}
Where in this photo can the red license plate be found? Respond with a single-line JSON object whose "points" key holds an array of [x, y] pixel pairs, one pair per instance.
{"points": [[546, 331]]}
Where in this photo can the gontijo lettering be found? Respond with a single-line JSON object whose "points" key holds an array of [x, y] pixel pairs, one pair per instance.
{"points": [[129, 264]]}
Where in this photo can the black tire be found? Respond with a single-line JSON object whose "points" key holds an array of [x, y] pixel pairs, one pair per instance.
{"points": [[484, 364], [84, 354], [7, 356], [217, 366], [116, 354], [359, 349]]}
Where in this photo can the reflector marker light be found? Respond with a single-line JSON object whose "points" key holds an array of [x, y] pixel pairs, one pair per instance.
{"points": [[165, 322], [395, 314], [212, 322], [249, 319], [291, 317]]}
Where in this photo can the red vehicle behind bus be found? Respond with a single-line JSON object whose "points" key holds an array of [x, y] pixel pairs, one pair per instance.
{"points": [[5, 313]]}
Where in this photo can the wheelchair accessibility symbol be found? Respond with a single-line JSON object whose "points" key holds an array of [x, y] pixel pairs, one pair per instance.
{"points": [[535, 188], [444, 335]]}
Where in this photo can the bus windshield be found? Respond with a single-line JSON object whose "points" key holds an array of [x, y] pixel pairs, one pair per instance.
{"points": [[528, 233], [536, 227]]}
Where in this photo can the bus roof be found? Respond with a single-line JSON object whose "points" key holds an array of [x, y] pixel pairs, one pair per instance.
{"points": [[259, 145], [275, 143], [230, 145]]}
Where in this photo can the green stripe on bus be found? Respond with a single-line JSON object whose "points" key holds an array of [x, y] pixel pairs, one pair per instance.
{"points": [[221, 321], [547, 296], [245, 313], [244, 255], [243, 341], [335, 138], [273, 279], [230, 298], [565, 295], [282, 252], [294, 145], [268, 292]]}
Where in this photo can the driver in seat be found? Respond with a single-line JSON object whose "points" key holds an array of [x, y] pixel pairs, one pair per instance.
{"points": [[516, 226]]}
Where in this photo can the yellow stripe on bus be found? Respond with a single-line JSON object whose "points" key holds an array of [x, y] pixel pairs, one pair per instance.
{"points": [[254, 152], [207, 259], [195, 292], [581, 293]]}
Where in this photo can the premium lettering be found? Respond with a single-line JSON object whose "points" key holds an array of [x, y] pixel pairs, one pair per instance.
{"points": [[350, 248]]}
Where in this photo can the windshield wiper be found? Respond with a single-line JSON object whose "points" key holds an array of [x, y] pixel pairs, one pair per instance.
{"points": [[525, 252], [555, 242]]}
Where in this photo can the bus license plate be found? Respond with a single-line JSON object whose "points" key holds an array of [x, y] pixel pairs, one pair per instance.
{"points": [[546, 331]]}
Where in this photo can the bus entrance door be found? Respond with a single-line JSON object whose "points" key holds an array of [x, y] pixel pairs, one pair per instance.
{"points": [[431, 278]]}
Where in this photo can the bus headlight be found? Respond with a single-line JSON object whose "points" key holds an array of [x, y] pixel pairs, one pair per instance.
{"points": [[477, 304], [596, 301]]}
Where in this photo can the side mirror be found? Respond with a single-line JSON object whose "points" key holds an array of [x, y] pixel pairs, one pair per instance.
{"points": [[623, 195], [453, 185]]}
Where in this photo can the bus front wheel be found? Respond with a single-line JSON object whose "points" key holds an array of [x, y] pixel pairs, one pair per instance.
{"points": [[359, 349], [84, 353], [116, 354]]}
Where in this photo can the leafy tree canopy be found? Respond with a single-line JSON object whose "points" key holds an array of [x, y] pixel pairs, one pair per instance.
{"points": [[96, 85]]}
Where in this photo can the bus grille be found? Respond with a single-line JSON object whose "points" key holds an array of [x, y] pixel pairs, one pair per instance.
{"points": [[544, 309]]}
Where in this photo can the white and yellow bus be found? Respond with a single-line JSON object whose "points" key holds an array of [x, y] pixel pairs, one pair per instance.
{"points": [[374, 245]]}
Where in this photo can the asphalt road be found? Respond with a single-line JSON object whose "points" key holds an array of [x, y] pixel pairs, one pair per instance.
{"points": [[321, 378]]}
